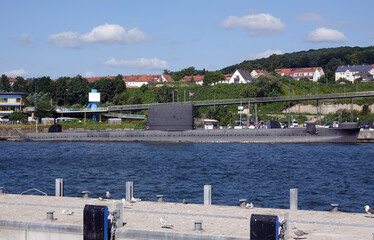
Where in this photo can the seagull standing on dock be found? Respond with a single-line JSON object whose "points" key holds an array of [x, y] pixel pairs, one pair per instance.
{"points": [[299, 233], [107, 195], [165, 223], [369, 210]]}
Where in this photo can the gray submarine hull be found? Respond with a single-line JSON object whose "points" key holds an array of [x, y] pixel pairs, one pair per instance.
{"points": [[174, 123]]}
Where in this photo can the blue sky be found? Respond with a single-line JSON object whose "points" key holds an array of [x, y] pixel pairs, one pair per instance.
{"points": [[100, 38]]}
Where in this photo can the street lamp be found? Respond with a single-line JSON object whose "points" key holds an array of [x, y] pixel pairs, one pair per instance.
{"points": [[62, 112]]}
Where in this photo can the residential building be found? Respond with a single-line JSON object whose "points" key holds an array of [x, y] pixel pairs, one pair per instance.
{"points": [[138, 80], [10, 102], [198, 79], [351, 73], [241, 76], [313, 74], [257, 73]]}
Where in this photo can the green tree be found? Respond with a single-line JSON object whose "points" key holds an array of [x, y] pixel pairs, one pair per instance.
{"points": [[121, 99], [17, 116], [164, 94], [212, 78], [44, 109], [108, 88], [268, 87], [19, 85], [5, 84]]}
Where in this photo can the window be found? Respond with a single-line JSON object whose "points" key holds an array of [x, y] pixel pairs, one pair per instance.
{"points": [[311, 74], [18, 100], [300, 74], [4, 100], [305, 74]]}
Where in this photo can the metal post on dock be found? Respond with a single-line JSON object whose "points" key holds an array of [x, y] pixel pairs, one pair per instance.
{"points": [[207, 194], [59, 187], [85, 194], [160, 198], [334, 207], [129, 190], [1, 190], [293, 199], [242, 203]]}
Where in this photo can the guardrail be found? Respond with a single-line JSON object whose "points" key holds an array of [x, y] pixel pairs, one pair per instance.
{"points": [[252, 100]]}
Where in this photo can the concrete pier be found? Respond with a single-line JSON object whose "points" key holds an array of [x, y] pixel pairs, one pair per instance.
{"points": [[24, 217]]}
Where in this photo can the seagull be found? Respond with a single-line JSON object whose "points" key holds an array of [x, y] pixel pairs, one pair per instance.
{"points": [[299, 233], [184, 201], [165, 223], [369, 210], [135, 199], [126, 203], [249, 205], [107, 195], [66, 212], [101, 199]]}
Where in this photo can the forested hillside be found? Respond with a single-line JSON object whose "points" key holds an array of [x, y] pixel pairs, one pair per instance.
{"points": [[327, 58]]}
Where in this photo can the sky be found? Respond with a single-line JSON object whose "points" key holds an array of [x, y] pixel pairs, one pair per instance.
{"points": [[95, 38]]}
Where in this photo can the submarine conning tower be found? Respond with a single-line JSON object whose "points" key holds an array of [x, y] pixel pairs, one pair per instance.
{"points": [[170, 117]]}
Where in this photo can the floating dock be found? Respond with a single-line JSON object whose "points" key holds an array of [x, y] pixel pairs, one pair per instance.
{"points": [[25, 217]]}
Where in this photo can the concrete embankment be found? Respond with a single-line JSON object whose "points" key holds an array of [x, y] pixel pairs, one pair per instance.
{"points": [[6, 133], [366, 136], [24, 217]]}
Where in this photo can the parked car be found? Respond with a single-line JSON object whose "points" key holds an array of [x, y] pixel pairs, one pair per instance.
{"points": [[251, 125], [284, 124], [335, 124], [365, 125], [295, 123], [328, 125]]}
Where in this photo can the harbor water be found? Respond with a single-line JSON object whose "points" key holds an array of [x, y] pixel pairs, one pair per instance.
{"points": [[260, 173]]}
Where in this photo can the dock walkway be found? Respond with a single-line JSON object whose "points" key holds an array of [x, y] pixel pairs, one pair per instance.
{"points": [[24, 217]]}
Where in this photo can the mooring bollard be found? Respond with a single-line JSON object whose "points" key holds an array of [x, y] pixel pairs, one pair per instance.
{"points": [[85, 194], [129, 190], [160, 198], [242, 203], [1, 190], [334, 207], [50, 216], [198, 225], [207, 194], [116, 209], [59, 192], [293, 199]]}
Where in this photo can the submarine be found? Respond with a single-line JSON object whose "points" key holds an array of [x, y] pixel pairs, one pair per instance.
{"points": [[174, 123]]}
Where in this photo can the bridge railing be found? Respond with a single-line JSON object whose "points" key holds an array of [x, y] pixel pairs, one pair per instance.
{"points": [[99, 109]]}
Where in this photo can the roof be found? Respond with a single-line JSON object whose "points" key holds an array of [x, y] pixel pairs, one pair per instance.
{"points": [[136, 78], [354, 68], [290, 71], [22, 94], [196, 78], [245, 74], [262, 72]]}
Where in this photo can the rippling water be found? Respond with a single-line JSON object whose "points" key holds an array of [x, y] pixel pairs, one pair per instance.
{"points": [[260, 173]]}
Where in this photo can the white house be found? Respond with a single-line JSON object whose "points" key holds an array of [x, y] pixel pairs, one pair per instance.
{"points": [[241, 76], [351, 73]]}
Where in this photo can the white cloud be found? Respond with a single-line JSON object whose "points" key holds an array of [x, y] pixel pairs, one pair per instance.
{"points": [[24, 40], [89, 74], [311, 17], [254, 56], [265, 54], [142, 63], [105, 34], [325, 35], [17, 73], [255, 24]]}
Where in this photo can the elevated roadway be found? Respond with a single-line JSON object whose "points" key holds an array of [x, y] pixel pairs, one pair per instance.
{"points": [[111, 109]]}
